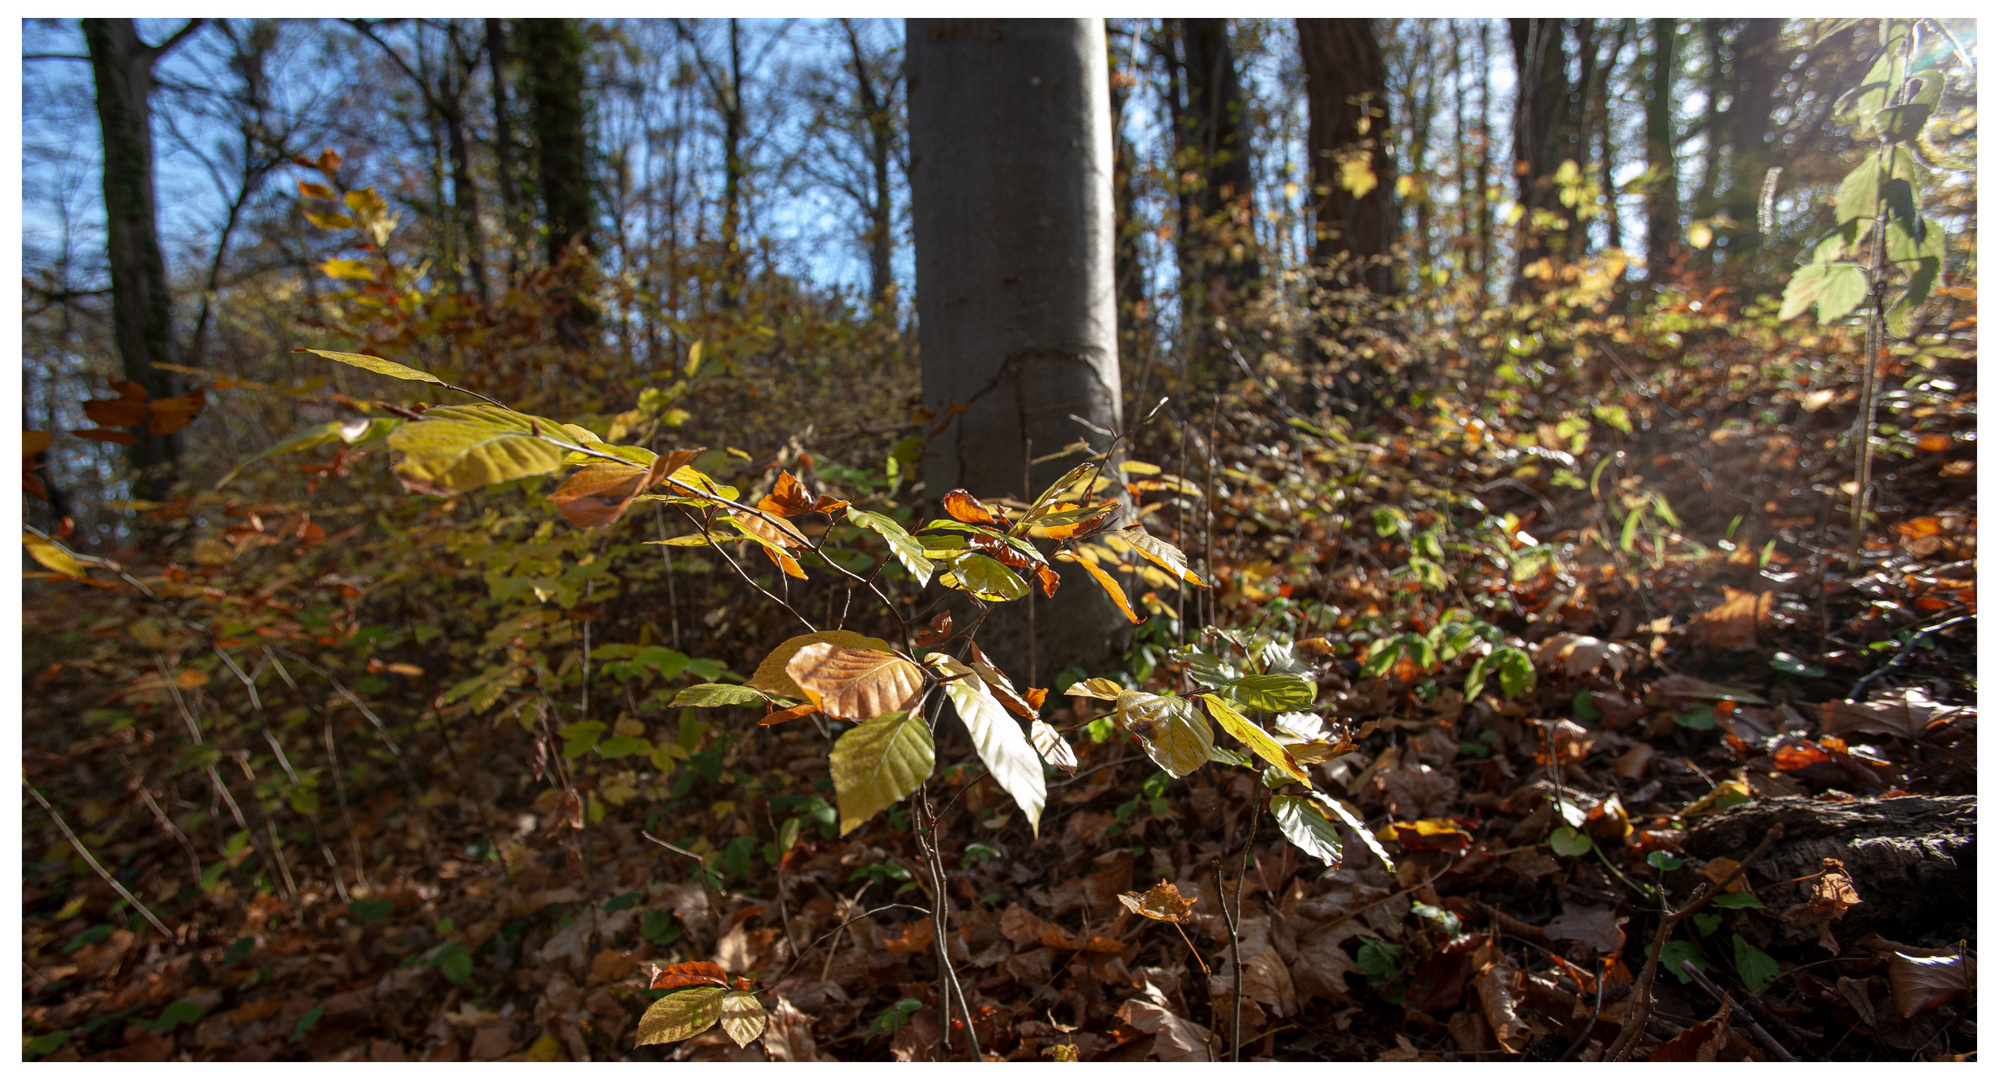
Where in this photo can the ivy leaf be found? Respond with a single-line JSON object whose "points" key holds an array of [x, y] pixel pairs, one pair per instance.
{"points": [[742, 1016], [907, 550], [854, 684], [1173, 732], [375, 363], [456, 448], [996, 736], [1258, 740], [879, 762], [681, 1015], [1307, 828], [1754, 966]]}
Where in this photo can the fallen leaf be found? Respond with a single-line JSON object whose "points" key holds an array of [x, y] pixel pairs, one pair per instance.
{"points": [[1599, 929], [1175, 1040], [1925, 982], [1162, 902], [1831, 895], [1701, 1042], [1733, 624]]}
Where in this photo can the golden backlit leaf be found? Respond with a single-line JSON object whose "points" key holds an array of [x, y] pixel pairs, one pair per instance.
{"points": [[1162, 902], [1258, 740], [770, 676], [961, 505], [1108, 584], [1174, 734], [681, 1015], [742, 1017], [1053, 748]]}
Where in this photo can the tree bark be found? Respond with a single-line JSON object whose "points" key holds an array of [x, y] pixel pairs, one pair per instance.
{"points": [[1543, 137], [1346, 91], [505, 152], [1753, 86], [875, 108], [1662, 201], [1218, 242], [1010, 182], [552, 50], [141, 305]]}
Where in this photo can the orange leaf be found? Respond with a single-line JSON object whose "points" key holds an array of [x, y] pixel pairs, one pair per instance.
{"points": [[1049, 579], [1111, 586], [34, 442], [111, 435], [114, 412], [130, 391], [1162, 902], [785, 563], [599, 493], [938, 630], [771, 534], [1035, 695], [781, 715], [961, 505], [168, 415], [787, 499], [697, 973], [1733, 623]]}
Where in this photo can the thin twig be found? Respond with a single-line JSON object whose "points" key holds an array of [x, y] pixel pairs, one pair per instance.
{"points": [[95, 865], [1723, 998], [1577, 1046], [1908, 647]]}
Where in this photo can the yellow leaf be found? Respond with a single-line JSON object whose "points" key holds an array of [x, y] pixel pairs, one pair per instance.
{"points": [[1109, 585], [53, 555], [682, 1014], [1254, 737], [353, 269], [877, 763]]}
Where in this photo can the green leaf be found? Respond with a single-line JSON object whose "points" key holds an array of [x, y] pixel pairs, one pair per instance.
{"points": [[984, 577], [997, 737], [905, 547], [1254, 737], [371, 910], [1516, 670], [623, 746], [1583, 707], [376, 364], [174, 1015], [1858, 193], [682, 1014], [456, 448], [580, 737], [1567, 841], [877, 763], [1902, 123], [1791, 665], [1272, 693], [1663, 860], [454, 962], [1173, 732], [1678, 950], [1843, 288], [1354, 822], [710, 695], [1736, 900], [306, 1022], [1378, 959], [1306, 828], [1706, 923], [1753, 966]]}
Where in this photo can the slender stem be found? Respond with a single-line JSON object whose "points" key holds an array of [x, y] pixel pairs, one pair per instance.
{"points": [[95, 865]]}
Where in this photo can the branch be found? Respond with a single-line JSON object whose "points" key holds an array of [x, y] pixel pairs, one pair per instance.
{"points": [[174, 42]]}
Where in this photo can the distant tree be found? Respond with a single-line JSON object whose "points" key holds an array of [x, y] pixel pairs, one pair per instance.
{"points": [[1544, 136], [1757, 63], [1349, 140], [1662, 197], [1218, 257], [141, 304], [552, 51]]}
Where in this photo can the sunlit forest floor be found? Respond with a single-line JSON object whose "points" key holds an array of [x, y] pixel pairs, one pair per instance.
{"points": [[1704, 662]]}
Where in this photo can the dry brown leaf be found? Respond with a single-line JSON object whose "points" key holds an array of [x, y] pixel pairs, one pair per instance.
{"points": [[1733, 623], [1176, 1039], [789, 1034], [854, 684], [1600, 929], [1831, 895], [1702, 1042], [1925, 982], [1267, 981], [1631, 764], [1905, 717], [1162, 902], [1579, 654], [1499, 994]]}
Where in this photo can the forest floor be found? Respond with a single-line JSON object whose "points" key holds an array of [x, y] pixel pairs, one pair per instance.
{"points": [[1712, 671]]}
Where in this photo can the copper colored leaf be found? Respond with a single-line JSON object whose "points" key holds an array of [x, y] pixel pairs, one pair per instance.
{"points": [[787, 497], [854, 684], [1162, 902], [961, 505], [1702, 1042], [599, 493], [1925, 982], [115, 412], [698, 973], [743, 1017], [110, 435], [779, 716], [770, 676], [1830, 895], [681, 1015], [34, 442], [1734, 622], [130, 391], [1048, 579], [1499, 994], [170, 414], [937, 631], [757, 528]]}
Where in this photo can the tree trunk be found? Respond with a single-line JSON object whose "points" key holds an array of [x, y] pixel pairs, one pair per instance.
{"points": [[504, 149], [1484, 160], [1543, 137], [1218, 239], [1662, 201], [1605, 158], [1753, 85], [733, 169], [881, 149], [1707, 197], [553, 52], [141, 305], [1010, 183], [1346, 91], [1128, 265]]}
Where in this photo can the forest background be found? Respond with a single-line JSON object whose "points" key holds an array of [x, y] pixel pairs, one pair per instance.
{"points": [[1493, 415]]}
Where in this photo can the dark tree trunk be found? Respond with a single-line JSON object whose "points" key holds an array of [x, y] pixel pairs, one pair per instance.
{"points": [[1217, 239], [1128, 266], [1543, 137], [1010, 185], [732, 165], [1662, 200], [1346, 91], [1753, 85], [1606, 158], [505, 151], [1707, 197], [141, 305], [1484, 158], [552, 50]]}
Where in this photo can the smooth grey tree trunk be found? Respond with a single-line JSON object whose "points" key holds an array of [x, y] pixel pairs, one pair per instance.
{"points": [[1010, 182]]}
